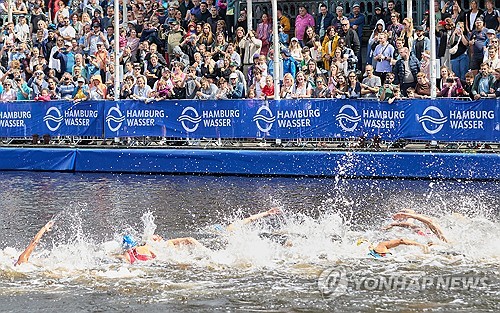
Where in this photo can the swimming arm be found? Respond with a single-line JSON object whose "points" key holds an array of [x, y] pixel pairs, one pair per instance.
{"points": [[253, 218], [397, 242], [23, 258], [426, 220]]}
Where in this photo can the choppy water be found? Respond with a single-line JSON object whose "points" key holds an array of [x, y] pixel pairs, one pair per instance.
{"points": [[73, 268]]}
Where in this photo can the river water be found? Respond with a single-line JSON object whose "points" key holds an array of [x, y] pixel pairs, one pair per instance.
{"points": [[272, 265]]}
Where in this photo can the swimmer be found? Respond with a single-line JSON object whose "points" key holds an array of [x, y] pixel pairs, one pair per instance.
{"points": [[407, 216], [24, 257], [382, 248], [253, 218], [135, 252]]}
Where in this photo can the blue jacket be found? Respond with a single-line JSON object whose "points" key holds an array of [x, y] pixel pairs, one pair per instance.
{"points": [[289, 66], [399, 69]]}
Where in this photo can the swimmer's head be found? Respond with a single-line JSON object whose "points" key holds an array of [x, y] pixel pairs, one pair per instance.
{"points": [[128, 242], [219, 228]]}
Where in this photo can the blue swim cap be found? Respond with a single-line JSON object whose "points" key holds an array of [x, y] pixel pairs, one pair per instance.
{"points": [[128, 242]]}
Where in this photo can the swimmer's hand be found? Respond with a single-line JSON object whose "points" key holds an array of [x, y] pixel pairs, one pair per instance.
{"points": [[273, 211], [48, 226], [157, 238]]}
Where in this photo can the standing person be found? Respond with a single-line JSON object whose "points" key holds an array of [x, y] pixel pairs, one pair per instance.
{"points": [[445, 41], [357, 21], [477, 40], [421, 43], [382, 54], [328, 47], [351, 41], [264, 30], [284, 21], [458, 52], [252, 46], [491, 16], [302, 20], [373, 41], [323, 21], [471, 16], [394, 28], [337, 19], [406, 70], [391, 9]]}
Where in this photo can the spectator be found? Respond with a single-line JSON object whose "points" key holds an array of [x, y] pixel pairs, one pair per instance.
{"points": [[296, 50], [351, 41], [386, 92], [370, 84], [406, 70], [337, 19], [329, 46], [471, 16], [284, 21], [81, 92], [469, 81], [395, 28], [377, 16], [483, 82], [252, 46], [67, 88], [242, 21], [450, 89], [268, 89], [353, 86], [141, 90], [357, 21], [207, 90], [458, 52], [491, 16], [323, 21], [289, 64], [391, 9], [286, 90], [302, 20], [477, 40], [264, 30], [340, 61], [492, 58], [383, 55], [423, 86], [237, 90], [302, 87], [495, 90], [341, 90], [421, 43], [373, 41], [321, 90]]}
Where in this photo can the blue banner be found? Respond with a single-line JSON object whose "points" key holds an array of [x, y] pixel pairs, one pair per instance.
{"points": [[423, 119], [56, 118]]}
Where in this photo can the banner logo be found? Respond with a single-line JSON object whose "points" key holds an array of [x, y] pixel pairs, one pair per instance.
{"points": [[53, 119], [194, 118], [268, 119], [433, 120], [342, 117], [114, 117]]}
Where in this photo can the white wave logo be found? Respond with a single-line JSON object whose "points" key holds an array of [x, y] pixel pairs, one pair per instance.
{"points": [[193, 118], [53, 116], [268, 119], [114, 117], [342, 117], [434, 120]]}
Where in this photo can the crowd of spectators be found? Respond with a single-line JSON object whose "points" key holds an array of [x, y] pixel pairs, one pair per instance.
{"points": [[202, 49]]}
